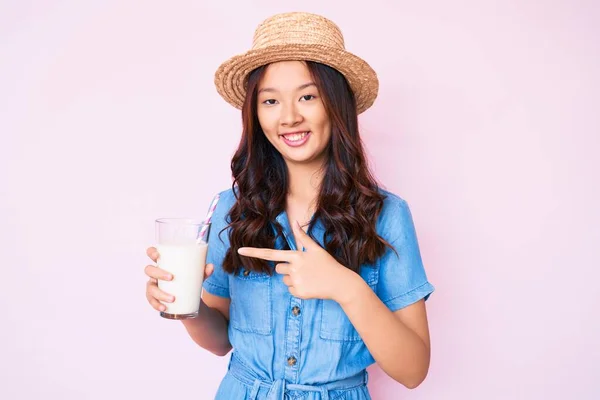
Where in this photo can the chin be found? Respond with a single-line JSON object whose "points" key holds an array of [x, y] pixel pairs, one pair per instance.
{"points": [[302, 160], [305, 156], [298, 160]]}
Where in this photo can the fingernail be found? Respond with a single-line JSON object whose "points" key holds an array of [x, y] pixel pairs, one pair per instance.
{"points": [[171, 299], [162, 308], [168, 277]]}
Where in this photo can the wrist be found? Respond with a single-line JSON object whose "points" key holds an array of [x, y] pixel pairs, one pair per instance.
{"points": [[348, 288]]}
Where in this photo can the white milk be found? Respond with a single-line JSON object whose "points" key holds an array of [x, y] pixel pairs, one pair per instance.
{"points": [[186, 263]]}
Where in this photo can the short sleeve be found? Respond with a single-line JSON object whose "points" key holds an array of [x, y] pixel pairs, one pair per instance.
{"points": [[218, 244], [402, 277]]}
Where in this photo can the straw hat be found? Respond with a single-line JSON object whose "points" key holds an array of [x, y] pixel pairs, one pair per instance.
{"points": [[297, 36]]}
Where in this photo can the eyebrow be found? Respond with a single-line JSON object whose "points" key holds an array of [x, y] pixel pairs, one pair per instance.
{"points": [[297, 89]]}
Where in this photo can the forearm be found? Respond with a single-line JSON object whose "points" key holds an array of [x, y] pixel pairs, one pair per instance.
{"points": [[209, 330], [398, 350]]}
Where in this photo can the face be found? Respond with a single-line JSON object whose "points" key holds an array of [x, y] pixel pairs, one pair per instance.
{"points": [[291, 113]]}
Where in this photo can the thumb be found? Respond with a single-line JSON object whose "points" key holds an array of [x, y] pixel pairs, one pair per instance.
{"points": [[305, 240], [208, 270]]}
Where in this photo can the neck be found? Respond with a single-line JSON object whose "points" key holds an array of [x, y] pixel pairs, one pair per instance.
{"points": [[304, 183]]}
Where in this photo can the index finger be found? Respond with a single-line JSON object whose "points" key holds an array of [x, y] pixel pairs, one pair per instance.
{"points": [[266, 254], [152, 253], [157, 273]]}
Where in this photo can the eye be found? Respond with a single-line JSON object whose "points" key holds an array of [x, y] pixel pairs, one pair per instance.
{"points": [[268, 102], [307, 97]]}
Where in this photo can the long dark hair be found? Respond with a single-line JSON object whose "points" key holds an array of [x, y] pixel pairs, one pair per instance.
{"points": [[348, 203]]}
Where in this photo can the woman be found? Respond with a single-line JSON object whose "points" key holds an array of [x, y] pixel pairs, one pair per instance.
{"points": [[315, 271]]}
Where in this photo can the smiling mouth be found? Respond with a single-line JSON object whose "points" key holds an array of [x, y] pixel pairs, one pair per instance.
{"points": [[296, 139]]}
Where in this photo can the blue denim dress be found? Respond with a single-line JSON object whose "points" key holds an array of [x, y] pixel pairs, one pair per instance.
{"points": [[288, 348]]}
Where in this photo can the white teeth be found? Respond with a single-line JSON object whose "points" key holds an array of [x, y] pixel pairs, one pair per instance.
{"points": [[296, 136]]}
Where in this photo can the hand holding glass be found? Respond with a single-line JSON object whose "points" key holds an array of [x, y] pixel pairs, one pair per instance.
{"points": [[182, 253]]}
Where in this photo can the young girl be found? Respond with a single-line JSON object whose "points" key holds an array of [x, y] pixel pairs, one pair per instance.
{"points": [[314, 270]]}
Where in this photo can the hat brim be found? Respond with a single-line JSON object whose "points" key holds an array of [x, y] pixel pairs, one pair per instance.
{"points": [[231, 76]]}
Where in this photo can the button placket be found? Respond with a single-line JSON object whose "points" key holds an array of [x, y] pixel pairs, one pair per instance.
{"points": [[292, 342], [294, 318]]}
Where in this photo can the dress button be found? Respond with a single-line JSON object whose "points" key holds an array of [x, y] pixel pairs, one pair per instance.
{"points": [[246, 272], [291, 361], [296, 310]]}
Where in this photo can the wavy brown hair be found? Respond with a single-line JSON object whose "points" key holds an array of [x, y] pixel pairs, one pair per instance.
{"points": [[349, 201]]}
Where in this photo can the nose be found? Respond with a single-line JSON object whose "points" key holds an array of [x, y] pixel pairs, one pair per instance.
{"points": [[290, 115]]}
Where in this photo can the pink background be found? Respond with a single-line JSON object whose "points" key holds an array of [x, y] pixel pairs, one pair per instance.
{"points": [[487, 124]]}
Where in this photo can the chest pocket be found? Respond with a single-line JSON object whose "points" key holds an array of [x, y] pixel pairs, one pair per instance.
{"points": [[335, 325], [251, 309]]}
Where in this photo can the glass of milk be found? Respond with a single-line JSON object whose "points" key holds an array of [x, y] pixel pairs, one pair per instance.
{"points": [[182, 254]]}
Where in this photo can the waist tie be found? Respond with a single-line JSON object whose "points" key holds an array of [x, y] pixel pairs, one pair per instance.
{"points": [[278, 388]]}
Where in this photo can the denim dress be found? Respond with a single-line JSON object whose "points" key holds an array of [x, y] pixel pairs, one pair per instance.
{"points": [[286, 348]]}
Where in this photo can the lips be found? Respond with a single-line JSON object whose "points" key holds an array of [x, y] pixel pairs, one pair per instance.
{"points": [[295, 139]]}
